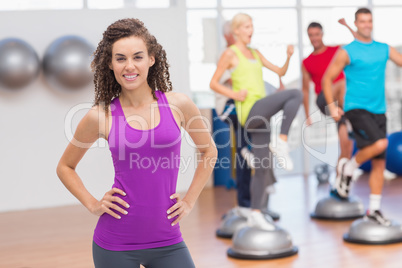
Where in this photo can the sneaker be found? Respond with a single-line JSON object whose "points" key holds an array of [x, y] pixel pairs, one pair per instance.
{"points": [[334, 193], [243, 212], [274, 215], [281, 151], [388, 175], [230, 213], [342, 182], [261, 221], [248, 156], [377, 216]]}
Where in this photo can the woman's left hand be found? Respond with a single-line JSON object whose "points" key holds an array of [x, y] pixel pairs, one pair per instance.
{"points": [[342, 21], [290, 50], [181, 208]]}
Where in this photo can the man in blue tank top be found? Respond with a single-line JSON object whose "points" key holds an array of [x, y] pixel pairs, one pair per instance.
{"points": [[363, 61]]}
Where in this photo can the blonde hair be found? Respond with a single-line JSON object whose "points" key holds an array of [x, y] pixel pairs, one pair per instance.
{"points": [[239, 19]]}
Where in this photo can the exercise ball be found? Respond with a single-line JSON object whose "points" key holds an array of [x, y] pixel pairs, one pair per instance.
{"points": [[394, 153], [19, 63], [368, 231], [66, 63]]}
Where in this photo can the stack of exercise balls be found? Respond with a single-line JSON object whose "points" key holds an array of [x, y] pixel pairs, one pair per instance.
{"points": [[66, 63]]}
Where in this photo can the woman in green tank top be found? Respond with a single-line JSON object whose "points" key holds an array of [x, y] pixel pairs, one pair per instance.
{"points": [[254, 109]]}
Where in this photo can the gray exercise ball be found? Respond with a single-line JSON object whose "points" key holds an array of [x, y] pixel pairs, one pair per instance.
{"points": [[66, 63], [19, 63]]}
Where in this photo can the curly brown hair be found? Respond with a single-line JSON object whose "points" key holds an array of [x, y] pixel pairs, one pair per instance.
{"points": [[106, 86]]}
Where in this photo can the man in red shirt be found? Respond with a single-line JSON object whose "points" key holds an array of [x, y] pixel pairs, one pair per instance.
{"points": [[313, 69]]}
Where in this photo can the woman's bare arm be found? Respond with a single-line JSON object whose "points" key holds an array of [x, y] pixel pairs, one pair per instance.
{"points": [[225, 63], [281, 71], [195, 125], [90, 129]]}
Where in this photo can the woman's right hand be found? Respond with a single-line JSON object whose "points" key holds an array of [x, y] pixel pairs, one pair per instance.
{"points": [[108, 204], [241, 95]]}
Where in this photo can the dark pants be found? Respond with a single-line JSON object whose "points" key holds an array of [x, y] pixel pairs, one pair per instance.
{"points": [[258, 125], [243, 172], [163, 257]]}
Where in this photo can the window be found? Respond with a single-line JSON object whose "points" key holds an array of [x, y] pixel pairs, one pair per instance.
{"points": [[203, 51], [387, 2], [257, 3], [318, 3], [334, 33], [79, 4], [152, 4], [274, 29], [201, 4], [105, 4], [384, 19]]}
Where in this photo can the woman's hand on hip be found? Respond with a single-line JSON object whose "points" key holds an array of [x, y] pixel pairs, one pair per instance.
{"points": [[110, 203], [241, 95], [180, 209]]}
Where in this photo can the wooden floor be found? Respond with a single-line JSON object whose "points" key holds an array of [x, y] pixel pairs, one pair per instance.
{"points": [[61, 237]]}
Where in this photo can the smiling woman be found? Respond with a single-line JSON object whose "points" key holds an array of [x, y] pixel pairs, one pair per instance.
{"points": [[118, 49], [130, 64], [139, 216]]}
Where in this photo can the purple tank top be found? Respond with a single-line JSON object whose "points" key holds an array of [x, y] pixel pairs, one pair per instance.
{"points": [[146, 164]]}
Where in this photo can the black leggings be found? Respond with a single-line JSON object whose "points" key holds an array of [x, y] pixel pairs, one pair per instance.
{"points": [[173, 256]]}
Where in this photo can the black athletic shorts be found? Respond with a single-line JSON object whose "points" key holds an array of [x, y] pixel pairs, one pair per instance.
{"points": [[322, 105], [367, 128]]}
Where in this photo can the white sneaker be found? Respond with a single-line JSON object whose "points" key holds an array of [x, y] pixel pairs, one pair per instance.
{"points": [[242, 211], [281, 151], [248, 156], [342, 182], [388, 175], [261, 221], [377, 217]]}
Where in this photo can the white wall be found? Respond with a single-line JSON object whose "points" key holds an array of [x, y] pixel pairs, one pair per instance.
{"points": [[32, 121]]}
